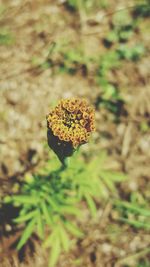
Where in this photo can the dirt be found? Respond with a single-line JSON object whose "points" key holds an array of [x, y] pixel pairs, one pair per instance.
{"points": [[26, 94]]}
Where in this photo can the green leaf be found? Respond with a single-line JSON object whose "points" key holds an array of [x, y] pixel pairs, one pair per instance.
{"points": [[92, 165], [136, 223], [114, 176], [27, 233], [109, 183], [64, 238], [133, 207], [25, 217], [73, 229], [112, 36], [109, 92], [91, 204], [52, 202], [71, 200], [6, 38], [122, 18], [103, 191], [49, 241], [46, 213], [125, 35], [26, 200], [8, 199], [70, 210], [40, 225], [55, 252]]}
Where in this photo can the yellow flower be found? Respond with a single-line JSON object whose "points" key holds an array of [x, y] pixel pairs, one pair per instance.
{"points": [[72, 120]]}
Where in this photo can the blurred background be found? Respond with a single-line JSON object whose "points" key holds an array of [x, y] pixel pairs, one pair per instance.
{"points": [[98, 50]]}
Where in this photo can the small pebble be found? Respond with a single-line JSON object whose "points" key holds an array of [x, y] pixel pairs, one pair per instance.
{"points": [[106, 248]]}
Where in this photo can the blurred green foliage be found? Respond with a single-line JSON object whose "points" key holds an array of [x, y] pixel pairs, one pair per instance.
{"points": [[6, 38], [134, 212], [143, 263], [2, 10], [86, 5], [131, 53], [142, 9], [71, 59], [122, 27], [144, 126], [52, 199]]}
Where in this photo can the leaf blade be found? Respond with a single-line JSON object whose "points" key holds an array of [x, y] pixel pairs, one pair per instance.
{"points": [[27, 233]]}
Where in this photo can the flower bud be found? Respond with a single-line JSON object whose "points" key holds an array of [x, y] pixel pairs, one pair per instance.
{"points": [[72, 121]]}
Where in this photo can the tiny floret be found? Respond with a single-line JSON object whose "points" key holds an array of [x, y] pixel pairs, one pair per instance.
{"points": [[72, 120]]}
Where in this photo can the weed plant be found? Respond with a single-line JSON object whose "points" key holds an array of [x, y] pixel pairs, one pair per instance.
{"points": [[134, 212], [50, 201]]}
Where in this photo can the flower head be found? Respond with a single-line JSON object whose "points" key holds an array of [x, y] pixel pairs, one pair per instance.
{"points": [[72, 120]]}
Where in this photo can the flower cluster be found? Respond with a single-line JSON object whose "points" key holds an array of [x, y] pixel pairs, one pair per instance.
{"points": [[72, 120]]}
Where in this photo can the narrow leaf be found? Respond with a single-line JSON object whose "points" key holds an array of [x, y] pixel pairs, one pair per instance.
{"points": [[46, 212], [40, 225], [64, 238], [134, 223], [26, 199], [55, 252], [133, 207], [52, 202], [49, 241], [71, 200], [70, 210], [25, 217], [27, 233], [110, 184], [91, 204], [73, 229], [114, 176]]}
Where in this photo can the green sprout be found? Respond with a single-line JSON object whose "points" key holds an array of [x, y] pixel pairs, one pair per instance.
{"points": [[134, 212]]}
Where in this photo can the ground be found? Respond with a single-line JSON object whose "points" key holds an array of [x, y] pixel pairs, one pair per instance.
{"points": [[36, 72]]}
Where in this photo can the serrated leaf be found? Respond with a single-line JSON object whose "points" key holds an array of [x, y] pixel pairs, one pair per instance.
{"points": [[27, 233], [25, 217]]}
